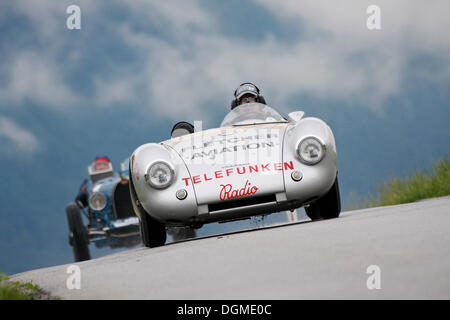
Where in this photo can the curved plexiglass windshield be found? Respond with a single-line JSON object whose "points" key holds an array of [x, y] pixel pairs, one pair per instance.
{"points": [[251, 113]]}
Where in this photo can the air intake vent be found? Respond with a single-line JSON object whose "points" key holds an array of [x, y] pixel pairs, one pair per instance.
{"points": [[241, 203]]}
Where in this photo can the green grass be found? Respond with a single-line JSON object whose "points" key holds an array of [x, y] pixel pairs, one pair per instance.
{"points": [[21, 291], [421, 185], [9, 291]]}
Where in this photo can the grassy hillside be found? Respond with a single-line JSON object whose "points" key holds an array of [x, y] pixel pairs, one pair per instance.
{"points": [[21, 291], [421, 185]]}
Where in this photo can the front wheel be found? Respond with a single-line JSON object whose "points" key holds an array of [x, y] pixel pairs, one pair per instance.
{"points": [[153, 232], [78, 237], [312, 211], [327, 207]]}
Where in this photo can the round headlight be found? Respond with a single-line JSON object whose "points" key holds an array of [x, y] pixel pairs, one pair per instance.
{"points": [[310, 151], [97, 201], [159, 175]]}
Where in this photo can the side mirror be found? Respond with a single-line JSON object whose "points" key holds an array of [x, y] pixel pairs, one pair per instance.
{"points": [[181, 128], [296, 116]]}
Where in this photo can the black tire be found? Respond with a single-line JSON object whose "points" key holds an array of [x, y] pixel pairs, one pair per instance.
{"points": [[312, 211], [78, 236], [328, 206], [153, 232]]}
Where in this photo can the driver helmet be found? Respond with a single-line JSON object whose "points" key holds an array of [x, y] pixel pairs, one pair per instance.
{"points": [[247, 92], [101, 163]]}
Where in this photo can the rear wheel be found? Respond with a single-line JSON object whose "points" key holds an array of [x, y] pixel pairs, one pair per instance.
{"points": [[153, 232], [327, 207], [78, 236]]}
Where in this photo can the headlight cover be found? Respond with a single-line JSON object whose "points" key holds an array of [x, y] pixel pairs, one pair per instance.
{"points": [[311, 151], [97, 201], [160, 175]]}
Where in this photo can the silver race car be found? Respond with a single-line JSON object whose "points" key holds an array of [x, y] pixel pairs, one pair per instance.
{"points": [[255, 163]]}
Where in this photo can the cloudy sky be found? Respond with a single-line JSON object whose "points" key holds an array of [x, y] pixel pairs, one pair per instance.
{"points": [[137, 67]]}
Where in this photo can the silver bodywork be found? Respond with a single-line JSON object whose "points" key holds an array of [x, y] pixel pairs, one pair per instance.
{"points": [[239, 170]]}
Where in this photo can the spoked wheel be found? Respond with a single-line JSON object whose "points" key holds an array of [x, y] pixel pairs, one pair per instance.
{"points": [[78, 235], [153, 232], [327, 207]]}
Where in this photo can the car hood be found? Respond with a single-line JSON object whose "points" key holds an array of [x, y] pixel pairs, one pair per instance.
{"points": [[230, 163], [105, 185]]}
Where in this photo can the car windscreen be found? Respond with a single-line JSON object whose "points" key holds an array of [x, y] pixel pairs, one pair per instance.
{"points": [[100, 170], [251, 113], [100, 176]]}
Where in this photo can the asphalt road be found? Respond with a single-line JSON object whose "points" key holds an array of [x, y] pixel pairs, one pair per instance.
{"points": [[306, 260]]}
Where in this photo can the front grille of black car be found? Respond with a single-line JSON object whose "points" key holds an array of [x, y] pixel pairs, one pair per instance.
{"points": [[241, 203]]}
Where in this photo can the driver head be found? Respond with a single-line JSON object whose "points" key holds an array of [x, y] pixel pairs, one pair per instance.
{"points": [[101, 163], [246, 93], [247, 98]]}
